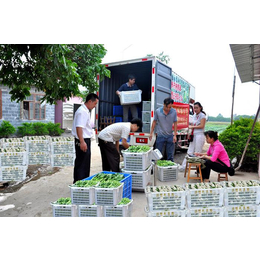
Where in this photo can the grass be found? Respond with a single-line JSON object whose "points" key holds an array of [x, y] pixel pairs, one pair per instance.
{"points": [[216, 126]]}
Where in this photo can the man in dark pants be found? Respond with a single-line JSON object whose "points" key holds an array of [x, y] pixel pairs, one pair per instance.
{"points": [[108, 140], [82, 131]]}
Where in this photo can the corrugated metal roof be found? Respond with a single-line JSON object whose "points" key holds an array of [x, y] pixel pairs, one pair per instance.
{"points": [[247, 60]]}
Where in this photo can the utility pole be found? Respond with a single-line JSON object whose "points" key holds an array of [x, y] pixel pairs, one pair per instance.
{"points": [[233, 96]]}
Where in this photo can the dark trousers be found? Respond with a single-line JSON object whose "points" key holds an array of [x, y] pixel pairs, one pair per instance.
{"points": [[82, 161], [110, 156], [215, 166]]}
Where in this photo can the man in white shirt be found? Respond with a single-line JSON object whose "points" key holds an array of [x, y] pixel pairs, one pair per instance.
{"points": [[108, 140], [82, 131]]}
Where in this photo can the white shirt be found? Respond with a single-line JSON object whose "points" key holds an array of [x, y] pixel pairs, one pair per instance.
{"points": [[196, 121], [82, 119], [115, 132]]}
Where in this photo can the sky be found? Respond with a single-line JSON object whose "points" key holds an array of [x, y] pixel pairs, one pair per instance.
{"points": [[209, 67]]}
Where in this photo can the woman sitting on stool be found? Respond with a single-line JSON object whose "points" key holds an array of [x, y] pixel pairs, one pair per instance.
{"points": [[216, 157]]}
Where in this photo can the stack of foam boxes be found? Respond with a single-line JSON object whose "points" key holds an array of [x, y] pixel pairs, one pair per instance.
{"points": [[140, 166], [62, 151], [13, 159], [96, 201], [204, 201], [241, 198], [165, 201], [146, 116], [38, 149]]}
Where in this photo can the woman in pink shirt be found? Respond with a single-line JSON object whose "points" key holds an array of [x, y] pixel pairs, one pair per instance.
{"points": [[216, 157]]}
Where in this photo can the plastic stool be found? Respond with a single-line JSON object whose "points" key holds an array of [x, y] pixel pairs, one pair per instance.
{"points": [[193, 166], [222, 176]]}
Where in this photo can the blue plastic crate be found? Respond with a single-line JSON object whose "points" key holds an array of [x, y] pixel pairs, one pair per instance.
{"points": [[119, 119], [127, 189], [117, 110]]}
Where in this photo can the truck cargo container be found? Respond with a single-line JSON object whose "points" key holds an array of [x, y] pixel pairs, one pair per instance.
{"points": [[157, 82]]}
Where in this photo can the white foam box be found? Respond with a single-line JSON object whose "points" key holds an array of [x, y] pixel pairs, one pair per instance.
{"points": [[206, 212], [13, 159], [168, 173], [14, 173], [82, 195], [119, 210], [167, 213], [61, 160], [241, 195], [90, 211], [64, 210], [140, 179], [130, 97], [62, 147], [108, 196], [205, 197], [146, 116], [163, 200], [35, 158], [137, 161], [37, 146], [242, 211]]}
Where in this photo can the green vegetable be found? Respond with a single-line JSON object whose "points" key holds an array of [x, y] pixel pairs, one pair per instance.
{"points": [[164, 163], [109, 184], [86, 183], [138, 149], [124, 201], [63, 201], [108, 176]]}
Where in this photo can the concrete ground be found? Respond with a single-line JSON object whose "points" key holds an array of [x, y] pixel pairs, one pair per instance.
{"points": [[34, 197]]}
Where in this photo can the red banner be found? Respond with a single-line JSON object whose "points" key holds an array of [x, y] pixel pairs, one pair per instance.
{"points": [[182, 115]]}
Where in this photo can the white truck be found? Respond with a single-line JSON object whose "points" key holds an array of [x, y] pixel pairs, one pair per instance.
{"points": [[157, 82]]}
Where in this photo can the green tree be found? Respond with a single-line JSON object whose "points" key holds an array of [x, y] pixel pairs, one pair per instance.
{"points": [[162, 57], [56, 69], [235, 136]]}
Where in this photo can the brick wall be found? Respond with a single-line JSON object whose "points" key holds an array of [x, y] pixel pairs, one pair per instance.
{"points": [[11, 111]]}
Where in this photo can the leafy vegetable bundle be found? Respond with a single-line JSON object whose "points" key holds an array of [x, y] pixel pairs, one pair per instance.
{"points": [[210, 185], [109, 184], [63, 201], [124, 201], [138, 149], [165, 163], [249, 183], [164, 188], [106, 177], [86, 183]]}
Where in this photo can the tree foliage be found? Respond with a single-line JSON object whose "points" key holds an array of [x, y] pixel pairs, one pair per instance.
{"points": [[56, 69], [162, 57], [235, 136]]}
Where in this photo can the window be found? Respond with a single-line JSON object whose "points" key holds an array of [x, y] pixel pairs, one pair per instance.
{"points": [[0, 103], [33, 109]]}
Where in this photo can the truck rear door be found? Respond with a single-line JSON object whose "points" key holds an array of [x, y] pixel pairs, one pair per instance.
{"points": [[163, 78]]}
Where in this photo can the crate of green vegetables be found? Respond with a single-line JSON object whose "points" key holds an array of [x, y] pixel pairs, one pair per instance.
{"points": [[90, 210], [83, 192], [63, 208], [13, 157], [137, 157], [108, 193], [204, 194], [205, 212], [241, 192], [122, 177], [167, 170], [122, 209], [167, 213], [161, 198], [242, 211]]}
